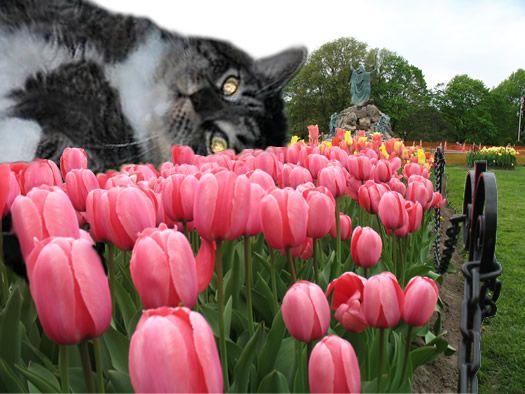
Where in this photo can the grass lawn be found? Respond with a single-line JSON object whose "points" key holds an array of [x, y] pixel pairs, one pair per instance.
{"points": [[503, 340]]}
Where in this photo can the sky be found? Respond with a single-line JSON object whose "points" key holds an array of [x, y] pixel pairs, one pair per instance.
{"points": [[484, 39]]}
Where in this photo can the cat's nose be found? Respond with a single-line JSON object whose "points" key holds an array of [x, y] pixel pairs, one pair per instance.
{"points": [[206, 102]]}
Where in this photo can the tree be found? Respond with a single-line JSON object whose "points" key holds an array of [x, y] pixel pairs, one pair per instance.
{"points": [[508, 95], [400, 89], [322, 86], [465, 104]]}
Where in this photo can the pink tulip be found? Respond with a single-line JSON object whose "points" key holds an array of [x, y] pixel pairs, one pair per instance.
{"points": [[46, 211], [70, 290], [366, 247], [79, 182], [221, 205], [243, 166], [352, 187], [143, 172], [182, 155], [305, 311], [333, 178], [9, 189], [39, 172], [313, 134], [119, 214], [292, 154], [303, 251], [348, 301], [333, 367], [314, 163], [177, 195], [414, 169], [397, 186], [254, 223], [261, 178], [370, 194], [293, 176], [163, 268], [360, 167], [205, 264], [395, 163], [173, 350], [421, 295], [321, 212], [269, 163], [382, 171], [72, 159], [383, 300], [420, 192], [437, 200], [346, 227], [284, 216], [392, 210], [415, 215]]}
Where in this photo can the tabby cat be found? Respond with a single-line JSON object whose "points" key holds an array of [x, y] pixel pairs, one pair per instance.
{"points": [[126, 90]]}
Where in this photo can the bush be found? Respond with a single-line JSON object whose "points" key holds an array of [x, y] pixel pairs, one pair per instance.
{"points": [[497, 156]]}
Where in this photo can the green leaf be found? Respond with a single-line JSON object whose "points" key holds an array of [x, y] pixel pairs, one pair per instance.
{"points": [[398, 358], [125, 304], [31, 354], [274, 382], [43, 380], [228, 317], [10, 340], [285, 362], [120, 381], [118, 347], [270, 349], [424, 355], [9, 381], [243, 366], [209, 312]]}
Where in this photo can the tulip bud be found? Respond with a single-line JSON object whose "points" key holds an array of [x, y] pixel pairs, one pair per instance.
{"points": [[305, 311], [383, 301], [39, 172], [79, 182], [173, 350], [333, 367], [71, 159], [345, 223], [421, 295], [366, 247], [392, 210], [9, 189], [333, 178]]}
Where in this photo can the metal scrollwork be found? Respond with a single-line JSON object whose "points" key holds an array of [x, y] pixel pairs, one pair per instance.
{"points": [[439, 169], [482, 288]]}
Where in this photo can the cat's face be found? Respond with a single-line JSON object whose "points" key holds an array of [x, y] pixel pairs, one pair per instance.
{"points": [[219, 98]]}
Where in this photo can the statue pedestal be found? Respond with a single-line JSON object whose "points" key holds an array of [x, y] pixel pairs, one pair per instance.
{"points": [[364, 116]]}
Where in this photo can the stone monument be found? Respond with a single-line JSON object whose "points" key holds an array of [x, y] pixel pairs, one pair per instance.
{"points": [[360, 84], [333, 123]]}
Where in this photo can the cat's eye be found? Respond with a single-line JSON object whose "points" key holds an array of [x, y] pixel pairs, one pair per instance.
{"points": [[230, 86], [218, 144]]}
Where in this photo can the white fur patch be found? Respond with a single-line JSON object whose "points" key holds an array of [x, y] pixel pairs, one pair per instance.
{"points": [[23, 54], [19, 139], [142, 98]]}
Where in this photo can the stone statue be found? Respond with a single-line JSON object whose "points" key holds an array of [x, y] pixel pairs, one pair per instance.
{"points": [[333, 123], [360, 84], [382, 125]]}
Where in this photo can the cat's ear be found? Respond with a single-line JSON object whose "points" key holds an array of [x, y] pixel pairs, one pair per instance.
{"points": [[278, 69]]}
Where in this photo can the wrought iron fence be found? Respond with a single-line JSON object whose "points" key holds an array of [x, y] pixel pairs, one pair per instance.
{"points": [[482, 288]]}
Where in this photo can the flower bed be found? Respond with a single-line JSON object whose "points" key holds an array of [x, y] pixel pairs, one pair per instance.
{"points": [[298, 268], [502, 157]]}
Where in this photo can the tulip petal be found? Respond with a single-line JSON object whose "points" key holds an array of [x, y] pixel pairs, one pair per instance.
{"points": [[351, 373], [205, 261], [150, 273], [135, 211], [298, 314], [59, 216], [93, 285], [182, 268], [321, 371], [52, 275], [204, 207], [272, 222]]}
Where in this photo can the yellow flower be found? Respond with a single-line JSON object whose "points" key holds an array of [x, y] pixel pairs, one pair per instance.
{"points": [[421, 158], [382, 148], [348, 138], [294, 140]]}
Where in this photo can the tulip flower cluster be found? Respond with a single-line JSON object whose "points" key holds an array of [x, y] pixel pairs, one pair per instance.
{"points": [[176, 231]]}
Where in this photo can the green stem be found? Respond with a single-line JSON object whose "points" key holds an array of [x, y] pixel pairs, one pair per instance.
{"points": [[86, 366], [111, 271], [301, 370], [394, 267], [291, 264], [274, 280], [186, 233], [63, 366], [407, 351], [220, 307], [4, 291], [338, 228], [248, 280], [316, 263], [366, 273], [381, 354], [98, 364]]}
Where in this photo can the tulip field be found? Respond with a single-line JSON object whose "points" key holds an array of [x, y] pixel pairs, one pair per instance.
{"points": [[304, 268]]}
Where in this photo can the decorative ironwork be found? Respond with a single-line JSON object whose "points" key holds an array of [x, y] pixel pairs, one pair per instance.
{"points": [[439, 169], [482, 288]]}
